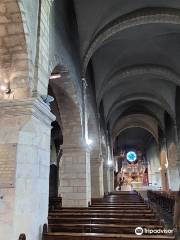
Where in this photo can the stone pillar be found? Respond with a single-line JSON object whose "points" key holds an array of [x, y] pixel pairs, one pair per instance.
{"points": [[111, 172], [75, 178], [178, 148], [173, 176], [106, 179], [173, 163], [97, 187], [24, 167], [164, 179], [164, 164]]}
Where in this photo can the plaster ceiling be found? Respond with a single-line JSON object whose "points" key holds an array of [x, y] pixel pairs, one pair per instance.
{"points": [[133, 51]]}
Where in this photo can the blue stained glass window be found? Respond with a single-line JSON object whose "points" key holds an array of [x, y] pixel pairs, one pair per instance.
{"points": [[131, 156]]}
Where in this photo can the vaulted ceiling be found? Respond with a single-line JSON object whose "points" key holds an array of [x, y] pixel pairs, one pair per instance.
{"points": [[132, 49]]}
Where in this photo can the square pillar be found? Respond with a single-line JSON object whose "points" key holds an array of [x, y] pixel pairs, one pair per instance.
{"points": [[97, 186], [173, 176], [75, 178], [24, 167], [164, 179], [106, 179], [111, 172]]}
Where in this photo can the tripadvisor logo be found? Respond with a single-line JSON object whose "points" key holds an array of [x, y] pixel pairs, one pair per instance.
{"points": [[139, 231]]}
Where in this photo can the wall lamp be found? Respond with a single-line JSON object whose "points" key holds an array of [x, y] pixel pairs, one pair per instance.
{"points": [[6, 89], [55, 76], [89, 141], [109, 163]]}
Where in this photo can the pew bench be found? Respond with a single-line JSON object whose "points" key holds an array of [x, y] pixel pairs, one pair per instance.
{"points": [[89, 210], [98, 228], [102, 215], [102, 236], [101, 220]]}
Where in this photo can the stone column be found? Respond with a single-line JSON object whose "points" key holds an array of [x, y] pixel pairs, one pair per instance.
{"points": [[164, 163], [111, 172], [24, 167], [75, 179], [178, 148], [173, 161], [173, 176], [106, 179], [97, 187]]}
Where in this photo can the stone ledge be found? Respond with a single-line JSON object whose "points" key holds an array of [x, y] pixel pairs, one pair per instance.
{"points": [[31, 106]]}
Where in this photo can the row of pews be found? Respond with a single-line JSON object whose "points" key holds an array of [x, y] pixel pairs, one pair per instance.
{"points": [[165, 199], [114, 217], [55, 203]]}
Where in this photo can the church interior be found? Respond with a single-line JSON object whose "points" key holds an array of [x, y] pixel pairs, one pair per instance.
{"points": [[89, 119]]}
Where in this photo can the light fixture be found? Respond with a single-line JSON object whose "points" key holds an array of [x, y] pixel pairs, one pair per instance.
{"points": [[159, 168], [109, 162], [6, 89], [166, 164], [3, 87], [55, 76], [89, 141]]}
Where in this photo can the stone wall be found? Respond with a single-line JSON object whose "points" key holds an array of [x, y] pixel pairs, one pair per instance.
{"points": [[13, 50]]}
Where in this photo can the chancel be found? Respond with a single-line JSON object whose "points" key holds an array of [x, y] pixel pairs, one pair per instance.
{"points": [[89, 119]]}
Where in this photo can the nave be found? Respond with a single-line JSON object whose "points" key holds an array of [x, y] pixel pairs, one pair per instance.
{"points": [[116, 216], [89, 105]]}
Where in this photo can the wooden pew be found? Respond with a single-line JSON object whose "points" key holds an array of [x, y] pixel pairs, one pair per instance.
{"points": [[165, 199], [102, 236], [98, 228], [114, 210], [113, 217], [102, 215], [101, 220]]}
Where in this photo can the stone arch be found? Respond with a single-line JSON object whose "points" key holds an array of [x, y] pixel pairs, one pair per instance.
{"points": [[130, 20], [69, 107], [62, 56], [126, 109], [121, 75], [75, 162], [55, 149], [15, 58], [147, 97], [137, 120]]}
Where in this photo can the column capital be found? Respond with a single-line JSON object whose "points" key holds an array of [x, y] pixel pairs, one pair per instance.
{"points": [[35, 107]]}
